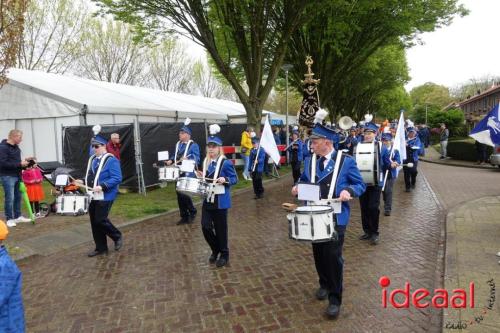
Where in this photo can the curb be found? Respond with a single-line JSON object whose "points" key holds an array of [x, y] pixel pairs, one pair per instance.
{"points": [[457, 164], [28, 252], [438, 319]]}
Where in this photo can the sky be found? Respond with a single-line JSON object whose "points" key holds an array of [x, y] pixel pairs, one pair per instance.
{"points": [[468, 48]]}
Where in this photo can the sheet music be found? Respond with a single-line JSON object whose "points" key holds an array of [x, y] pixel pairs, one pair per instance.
{"points": [[308, 192]]}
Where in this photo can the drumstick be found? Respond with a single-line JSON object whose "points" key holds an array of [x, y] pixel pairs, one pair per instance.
{"points": [[216, 179]]}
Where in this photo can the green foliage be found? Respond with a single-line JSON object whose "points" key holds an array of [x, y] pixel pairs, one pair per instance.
{"points": [[465, 150], [343, 37], [431, 94]]}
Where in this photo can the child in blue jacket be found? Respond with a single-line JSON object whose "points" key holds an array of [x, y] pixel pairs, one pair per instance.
{"points": [[256, 168]]}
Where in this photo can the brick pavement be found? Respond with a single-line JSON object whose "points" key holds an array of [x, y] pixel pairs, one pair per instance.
{"points": [[161, 280], [472, 233]]}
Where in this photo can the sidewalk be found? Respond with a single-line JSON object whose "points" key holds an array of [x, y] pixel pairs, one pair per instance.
{"points": [[57, 233], [471, 202], [433, 156]]}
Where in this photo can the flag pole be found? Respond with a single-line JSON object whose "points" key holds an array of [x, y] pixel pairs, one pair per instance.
{"points": [[258, 149]]}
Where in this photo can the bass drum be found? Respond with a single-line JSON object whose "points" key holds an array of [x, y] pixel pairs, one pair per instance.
{"points": [[367, 160]]}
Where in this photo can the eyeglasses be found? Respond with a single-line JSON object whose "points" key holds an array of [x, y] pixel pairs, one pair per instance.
{"points": [[96, 146]]}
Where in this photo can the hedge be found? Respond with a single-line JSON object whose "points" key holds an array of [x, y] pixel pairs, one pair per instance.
{"points": [[465, 150]]}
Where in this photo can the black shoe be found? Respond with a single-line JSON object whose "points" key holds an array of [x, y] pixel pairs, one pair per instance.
{"points": [[387, 213], [183, 221], [332, 311], [96, 253], [191, 218], [321, 294], [364, 237], [408, 190], [213, 258], [221, 262], [374, 240], [119, 243]]}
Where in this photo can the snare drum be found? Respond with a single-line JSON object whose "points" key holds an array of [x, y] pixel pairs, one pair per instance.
{"points": [[312, 223], [72, 204], [191, 186], [368, 162], [168, 174]]}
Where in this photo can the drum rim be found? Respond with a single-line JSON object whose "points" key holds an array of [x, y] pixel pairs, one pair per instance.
{"points": [[327, 209]]}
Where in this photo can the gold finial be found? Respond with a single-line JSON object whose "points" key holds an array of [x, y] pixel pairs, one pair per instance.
{"points": [[310, 74]]}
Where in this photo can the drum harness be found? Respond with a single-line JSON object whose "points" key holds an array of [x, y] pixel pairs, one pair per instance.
{"points": [[211, 191], [185, 150], [104, 159], [333, 184]]}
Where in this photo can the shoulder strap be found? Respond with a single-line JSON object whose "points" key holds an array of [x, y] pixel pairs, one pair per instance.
{"points": [[338, 165], [104, 159]]}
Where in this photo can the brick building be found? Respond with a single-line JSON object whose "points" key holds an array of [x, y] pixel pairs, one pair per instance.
{"points": [[477, 106]]}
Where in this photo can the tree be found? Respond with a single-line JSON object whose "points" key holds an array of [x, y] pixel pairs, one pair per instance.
{"points": [[431, 94], [474, 86], [345, 34], [208, 84], [277, 102], [111, 54], [11, 30], [170, 66], [53, 32], [248, 37]]}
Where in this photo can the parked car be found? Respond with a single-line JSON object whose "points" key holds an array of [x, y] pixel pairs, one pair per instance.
{"points": [[495, 157]]}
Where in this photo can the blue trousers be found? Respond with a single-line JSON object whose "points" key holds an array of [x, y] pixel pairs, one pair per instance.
{"points": [[12, 205]]}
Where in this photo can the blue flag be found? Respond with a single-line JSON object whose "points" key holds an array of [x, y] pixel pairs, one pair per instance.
{"points": [[487, 131]]}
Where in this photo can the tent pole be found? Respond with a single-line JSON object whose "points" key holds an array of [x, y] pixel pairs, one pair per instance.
{"points": [[206, 131], [138, 159]]}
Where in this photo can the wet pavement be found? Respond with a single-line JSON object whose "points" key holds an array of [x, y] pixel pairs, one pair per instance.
{"points": [[161, 280]]}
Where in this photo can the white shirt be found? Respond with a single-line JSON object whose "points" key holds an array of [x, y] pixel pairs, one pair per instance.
{"points": [[328, 157]]}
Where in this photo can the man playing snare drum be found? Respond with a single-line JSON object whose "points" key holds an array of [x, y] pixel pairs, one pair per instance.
{"points": [[328, 255]]}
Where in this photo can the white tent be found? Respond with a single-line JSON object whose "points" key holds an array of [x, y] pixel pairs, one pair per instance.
{"points": [[41, 104]]}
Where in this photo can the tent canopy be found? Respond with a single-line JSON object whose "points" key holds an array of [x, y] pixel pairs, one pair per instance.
{"points": [[35, 94]]}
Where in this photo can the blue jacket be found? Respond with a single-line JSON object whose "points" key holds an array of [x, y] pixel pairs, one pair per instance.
{"points": [[10, 159], [227, 170], [11, 301], [300, 146], [193, 153], [260, 160], [348, 179], [306, 152], [415, 142], [109, 178], [277, 138], [386, 162]]}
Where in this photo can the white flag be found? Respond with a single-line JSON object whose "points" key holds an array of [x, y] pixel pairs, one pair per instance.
{"points": [[399, 139], [268, 144]]}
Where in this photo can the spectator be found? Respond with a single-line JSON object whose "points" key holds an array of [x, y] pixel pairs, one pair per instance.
{"points": [[10, 175], [276, 134], [113, 145], [282, 133], [11, 301], [32, 178], [246, 147], [443, 140], [481, 152]]}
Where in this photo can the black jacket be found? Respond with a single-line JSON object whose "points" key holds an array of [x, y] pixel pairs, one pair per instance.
{"points": [[10, 159]]}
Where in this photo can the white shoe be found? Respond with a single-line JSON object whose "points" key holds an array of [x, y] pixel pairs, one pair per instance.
{"points": [[22, 219], [498, 254], [11, 223]]}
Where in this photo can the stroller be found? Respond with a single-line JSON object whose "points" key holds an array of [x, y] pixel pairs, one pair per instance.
{"points": [[70, 199]]}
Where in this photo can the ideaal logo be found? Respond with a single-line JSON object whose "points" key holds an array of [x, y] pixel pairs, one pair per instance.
{"points": [[440, 298], [460, 299]]}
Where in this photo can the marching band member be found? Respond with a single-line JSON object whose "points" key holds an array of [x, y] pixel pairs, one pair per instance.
{"points": [[186, 149], [351, 141], [414, 148], [389, 168], [103, 176], [256, 167], [296, 156], [220, 171], [328, 255], [306, 146], [370, 200]]}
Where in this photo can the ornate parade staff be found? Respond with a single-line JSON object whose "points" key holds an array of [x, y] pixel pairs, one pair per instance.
{"points": [[310, 101]]}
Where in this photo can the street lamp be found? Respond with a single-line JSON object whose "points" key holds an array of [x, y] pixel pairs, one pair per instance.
{"points": [[286, 68]]}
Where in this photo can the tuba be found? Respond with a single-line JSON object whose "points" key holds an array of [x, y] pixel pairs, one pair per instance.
{"points": [[345, 123]]}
